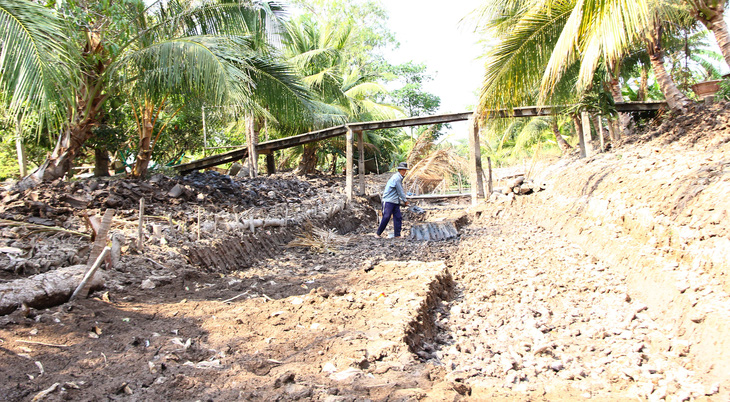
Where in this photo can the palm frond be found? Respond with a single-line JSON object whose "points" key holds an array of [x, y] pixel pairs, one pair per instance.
{"points": [[34, 59]]}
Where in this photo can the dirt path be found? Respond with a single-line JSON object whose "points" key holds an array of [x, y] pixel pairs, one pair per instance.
{"points": [[536, 315]]}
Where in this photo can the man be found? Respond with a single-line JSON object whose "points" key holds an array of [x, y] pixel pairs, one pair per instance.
{"points": [[393, 198]]}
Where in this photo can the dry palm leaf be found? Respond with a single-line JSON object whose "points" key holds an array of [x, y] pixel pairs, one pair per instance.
{"points": [[321, 240], [422, 147], [435, 169]]}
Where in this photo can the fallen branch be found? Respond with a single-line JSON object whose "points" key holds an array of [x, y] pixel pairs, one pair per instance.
{"points": [[43, 394], [44, 290], [235, 297], [41, 228], [43, 343]]}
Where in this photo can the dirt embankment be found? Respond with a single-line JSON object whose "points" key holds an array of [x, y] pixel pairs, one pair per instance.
{"points": [[657, 208]]}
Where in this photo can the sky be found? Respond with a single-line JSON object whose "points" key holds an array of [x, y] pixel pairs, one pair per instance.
{"points": [[429, 32]]}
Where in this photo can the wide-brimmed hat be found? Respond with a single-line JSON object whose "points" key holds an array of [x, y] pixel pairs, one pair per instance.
{"points": [[402, 166]]}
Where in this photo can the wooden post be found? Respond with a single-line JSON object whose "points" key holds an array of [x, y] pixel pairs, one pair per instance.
{"points": [[20, 148], [581, 128], [140, 226], [270, 164], [600, 133], [361, 162], [475, 162], [489, 166], [348, 167], [586, 122], [205, 134], [253, 139]]}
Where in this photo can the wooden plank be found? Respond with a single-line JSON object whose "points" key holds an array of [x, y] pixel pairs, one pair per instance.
{"points": [[213, 160], [437, 196], [301, 139]]}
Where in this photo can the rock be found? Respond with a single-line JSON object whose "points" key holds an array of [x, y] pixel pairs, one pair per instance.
{"points": [[346, 374], [697, 317], [557, 366], [147, 284], [329, 368], [714, 389], [286, 378], [176, 191], [297, 391]]}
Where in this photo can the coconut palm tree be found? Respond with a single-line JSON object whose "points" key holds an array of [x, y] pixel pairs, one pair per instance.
{"points": [[343, 92], [156, 53], [545, 40], [711, 13]]}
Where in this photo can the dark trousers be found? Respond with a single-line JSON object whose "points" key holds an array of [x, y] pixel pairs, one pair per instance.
{"points": [[390, 209]]}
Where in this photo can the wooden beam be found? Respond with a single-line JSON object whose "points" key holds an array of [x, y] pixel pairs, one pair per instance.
{"points": [[348, 167], [213, 160], [319, 135], [411, 121]]}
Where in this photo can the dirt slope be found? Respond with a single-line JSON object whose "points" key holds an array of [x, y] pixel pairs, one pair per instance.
{"points": [[657, 209]]}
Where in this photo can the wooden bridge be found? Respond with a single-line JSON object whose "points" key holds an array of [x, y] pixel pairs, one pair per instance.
{"points": [[350, 129]]}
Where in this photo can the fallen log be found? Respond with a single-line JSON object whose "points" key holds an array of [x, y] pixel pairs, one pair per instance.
{"points": [[45, 290]]}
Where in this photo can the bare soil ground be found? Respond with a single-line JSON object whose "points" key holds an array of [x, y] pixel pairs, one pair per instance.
{"points": [[513, 309]]}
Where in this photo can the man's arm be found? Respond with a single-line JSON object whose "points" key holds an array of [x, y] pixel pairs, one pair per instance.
{"points": [[399, 189]]}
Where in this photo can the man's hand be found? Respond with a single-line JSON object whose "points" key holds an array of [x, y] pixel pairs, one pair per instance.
{"points": [[406, 203]]}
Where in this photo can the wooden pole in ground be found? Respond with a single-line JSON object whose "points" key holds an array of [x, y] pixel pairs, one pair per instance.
{"points": [[253, 139], [361, 162], [600, 133], [489, 166], [348, 167], [20, 148], [89, 274], [140, 226], [586, 122], [475, 162], [580, 128], [100, 237], [270, 164]]}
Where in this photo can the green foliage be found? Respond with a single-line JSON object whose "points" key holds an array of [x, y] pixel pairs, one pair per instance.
{"points": [[369, 22], [724, 92], [410, 95]]}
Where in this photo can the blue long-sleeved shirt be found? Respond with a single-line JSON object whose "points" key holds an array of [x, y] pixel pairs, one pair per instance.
{"points": [[394, 190]]}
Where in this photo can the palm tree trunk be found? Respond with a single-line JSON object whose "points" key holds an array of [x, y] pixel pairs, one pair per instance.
{"points": [[333, 166], [564, 146], [676, 100], [308, 163], [101, 162], [623, 118], [643, 84], [144, 153], [579, 131], [67, 148], [711, 14]]}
